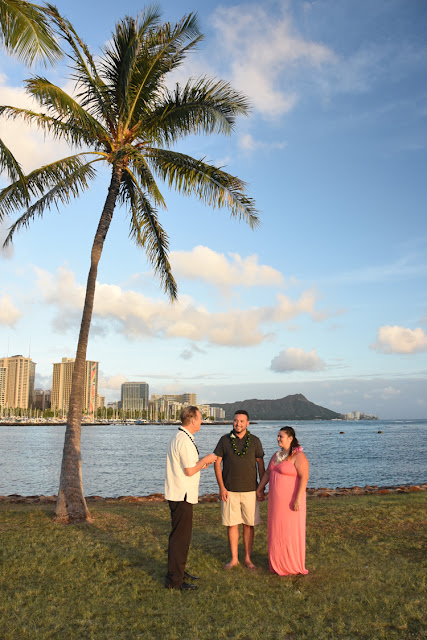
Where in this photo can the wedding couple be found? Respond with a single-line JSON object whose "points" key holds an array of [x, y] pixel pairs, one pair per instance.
{"points": [[238, 459]]}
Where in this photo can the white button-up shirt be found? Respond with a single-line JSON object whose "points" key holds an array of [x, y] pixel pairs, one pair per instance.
{"points": [[182, 454]]}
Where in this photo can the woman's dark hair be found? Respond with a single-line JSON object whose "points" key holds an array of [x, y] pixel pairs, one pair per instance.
{"points": [[291, 433]]}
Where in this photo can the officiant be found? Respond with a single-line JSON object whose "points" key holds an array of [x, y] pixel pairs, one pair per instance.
{"points": [[182, 492]]}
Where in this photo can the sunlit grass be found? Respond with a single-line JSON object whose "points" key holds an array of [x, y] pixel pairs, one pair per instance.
{"points": [[364, 554]]}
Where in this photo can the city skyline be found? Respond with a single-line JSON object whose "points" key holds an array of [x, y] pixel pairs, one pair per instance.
{"points": [[328, 297]]}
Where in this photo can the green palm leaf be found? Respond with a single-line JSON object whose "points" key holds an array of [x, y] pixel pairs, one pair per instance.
{"points": [[202, 106], [26, 33], [162, 52], [143, 176], [69, 130], [147, 233], [53, 183], [210, 184], [9, 163], [94, 93]]}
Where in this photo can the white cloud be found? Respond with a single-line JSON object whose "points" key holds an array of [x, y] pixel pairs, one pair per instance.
{"points": [[400, 340], [262, 48], [390, 391], [367, 67], [43, 381], [209, 266], [248, 143], [112, 382], [384, 393], [293, 359], [137, 316], [306, 304], [9, 314]]}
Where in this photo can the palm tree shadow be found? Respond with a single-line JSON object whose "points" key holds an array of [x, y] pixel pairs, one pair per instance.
{"points": [[138, 543]]}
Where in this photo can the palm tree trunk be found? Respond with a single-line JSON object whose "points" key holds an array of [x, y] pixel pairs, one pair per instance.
{"points": [[71, 505]]}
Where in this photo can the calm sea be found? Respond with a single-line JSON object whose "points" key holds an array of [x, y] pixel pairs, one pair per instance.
{"points": [[129, 460]]}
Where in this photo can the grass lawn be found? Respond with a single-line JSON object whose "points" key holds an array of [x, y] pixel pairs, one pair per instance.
{"points": [[105, 580]]}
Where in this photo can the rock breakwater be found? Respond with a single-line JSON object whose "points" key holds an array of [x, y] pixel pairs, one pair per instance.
{"points": [[322, 492]]}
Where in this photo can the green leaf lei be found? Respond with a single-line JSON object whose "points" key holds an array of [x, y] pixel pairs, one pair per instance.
{"points": [[232, 436]]}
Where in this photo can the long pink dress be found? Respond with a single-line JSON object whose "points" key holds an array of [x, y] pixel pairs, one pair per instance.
{"points": [[286, 528]]}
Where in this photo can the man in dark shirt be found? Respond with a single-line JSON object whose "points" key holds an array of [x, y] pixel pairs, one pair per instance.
{"points": [[242, 456]]}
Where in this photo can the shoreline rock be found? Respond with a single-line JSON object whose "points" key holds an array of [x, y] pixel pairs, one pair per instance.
{"points": [[321, 492]]}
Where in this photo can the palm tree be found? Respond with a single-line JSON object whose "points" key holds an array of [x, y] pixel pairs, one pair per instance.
{"points": [[26, 33], [125, 116]]}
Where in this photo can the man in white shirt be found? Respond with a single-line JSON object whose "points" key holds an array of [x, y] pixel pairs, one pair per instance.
{"points": [[182, 491]]}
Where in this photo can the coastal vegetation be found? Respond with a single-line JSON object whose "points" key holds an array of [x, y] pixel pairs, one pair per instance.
{"points": [[123, 116], [105, 580]]}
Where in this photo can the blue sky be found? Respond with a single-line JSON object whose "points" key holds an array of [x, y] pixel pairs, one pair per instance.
{"points": [[328, 297]]}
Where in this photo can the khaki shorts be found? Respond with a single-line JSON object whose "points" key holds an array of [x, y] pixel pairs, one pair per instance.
{"points": [[240, 508]]}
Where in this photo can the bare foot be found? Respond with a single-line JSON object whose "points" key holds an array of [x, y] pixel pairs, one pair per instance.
{"points": [[231, 564], [250, 565]]}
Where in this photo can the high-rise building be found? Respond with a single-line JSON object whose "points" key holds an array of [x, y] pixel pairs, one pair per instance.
{"points": [[183, 398], [17, 376], [38, 399], [61, 385], [41, 399], [217, 413], [134, 396], [47, 398], [3, 371], [189, 398]]}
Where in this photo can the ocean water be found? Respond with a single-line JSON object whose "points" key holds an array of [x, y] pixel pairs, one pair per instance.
{"points": [[121, 460]]}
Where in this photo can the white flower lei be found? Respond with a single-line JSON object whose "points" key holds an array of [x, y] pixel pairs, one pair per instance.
{"points": [[281, 455]]}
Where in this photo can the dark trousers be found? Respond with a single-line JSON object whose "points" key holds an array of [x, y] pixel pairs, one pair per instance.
{"points": [[179, 541]]}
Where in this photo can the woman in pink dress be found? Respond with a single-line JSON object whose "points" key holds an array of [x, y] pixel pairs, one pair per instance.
{"points": [[287, 473]]}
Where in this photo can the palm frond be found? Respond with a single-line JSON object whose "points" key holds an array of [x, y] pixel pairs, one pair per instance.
{"points": [[147, 233], [66, 30], [143, 176], [202, 106], [94, 95], [161, 52], [26, 32], [68, 131], [64, 173], [9, 163], [121, 54], [71, 185], [210, 184], [65, 108]]}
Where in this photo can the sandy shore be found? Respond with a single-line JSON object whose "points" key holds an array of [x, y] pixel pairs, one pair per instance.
{"points": [[322, 492]]}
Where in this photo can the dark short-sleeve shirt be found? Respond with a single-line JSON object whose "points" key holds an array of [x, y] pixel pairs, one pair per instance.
{"points": [[239, 473]]}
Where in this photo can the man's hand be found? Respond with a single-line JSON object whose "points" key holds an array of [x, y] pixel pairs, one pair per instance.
{"points": [[260, 494], [208, 460], [223, 494]]}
